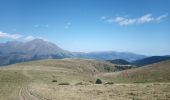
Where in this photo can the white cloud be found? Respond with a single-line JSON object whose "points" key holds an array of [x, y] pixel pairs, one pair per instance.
{"points": [[145, 19], [19, 37], [29, 38], [160, 18], [119, 19], [124, 21], [9, 36], [130, 21]]}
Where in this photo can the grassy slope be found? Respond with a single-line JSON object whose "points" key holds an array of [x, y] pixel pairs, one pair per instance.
{"points": [[67, 70], [147, 91], [38, 75], [10, 83], [158, 72]]}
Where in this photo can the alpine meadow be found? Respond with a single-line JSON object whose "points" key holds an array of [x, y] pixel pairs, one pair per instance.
{"points": [[84, 50]]}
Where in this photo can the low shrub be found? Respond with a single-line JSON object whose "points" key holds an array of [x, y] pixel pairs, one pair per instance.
{"points": [[65, 83], [98, 81], [54, 80]]}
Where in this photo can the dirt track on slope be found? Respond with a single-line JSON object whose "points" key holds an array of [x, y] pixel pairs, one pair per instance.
{"points": [[25, 94]]}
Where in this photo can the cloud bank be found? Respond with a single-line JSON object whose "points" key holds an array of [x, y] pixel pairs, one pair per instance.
{"points": [[123, 21], [9, 36]]}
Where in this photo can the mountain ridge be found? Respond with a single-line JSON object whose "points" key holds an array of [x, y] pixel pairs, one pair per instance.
{"points": [[16, 51], [150, 60]]}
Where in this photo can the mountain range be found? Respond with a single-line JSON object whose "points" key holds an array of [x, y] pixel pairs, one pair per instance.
{"points": [[16, 51], [141, 62], [150, 60]]}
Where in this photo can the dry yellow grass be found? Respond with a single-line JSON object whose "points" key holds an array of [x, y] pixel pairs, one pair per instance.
{"points": [[158, 72], [148, 91], [35, 81]]}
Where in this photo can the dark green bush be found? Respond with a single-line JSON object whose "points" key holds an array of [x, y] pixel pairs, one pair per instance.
{"points": [[107, 68], [98, 81], [64, 83], [54, 80]]}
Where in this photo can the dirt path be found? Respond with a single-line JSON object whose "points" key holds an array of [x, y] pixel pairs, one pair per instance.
{"points": [[25, 94]]}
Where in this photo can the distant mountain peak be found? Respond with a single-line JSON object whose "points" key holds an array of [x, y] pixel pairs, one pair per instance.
{"points": [[35, 47], [39, 48], [38, 40]]}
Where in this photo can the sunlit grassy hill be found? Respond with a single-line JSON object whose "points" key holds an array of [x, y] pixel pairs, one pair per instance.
{"points": [[67, 79], [157, 72]]}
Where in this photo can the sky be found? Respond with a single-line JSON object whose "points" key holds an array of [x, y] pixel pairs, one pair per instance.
{"points": [[138, 26]]}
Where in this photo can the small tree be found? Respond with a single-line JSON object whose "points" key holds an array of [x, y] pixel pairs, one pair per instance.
{"points": [[98, 81]]}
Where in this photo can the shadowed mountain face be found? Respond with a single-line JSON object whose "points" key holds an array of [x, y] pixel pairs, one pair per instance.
{"points": [[150, 60], [14, 51]]}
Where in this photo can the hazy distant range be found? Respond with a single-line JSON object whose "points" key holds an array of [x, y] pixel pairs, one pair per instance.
{"points": [[15, 51]]}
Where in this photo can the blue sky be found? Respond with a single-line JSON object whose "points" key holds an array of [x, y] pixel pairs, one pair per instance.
{"points": [[139, 26]]}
